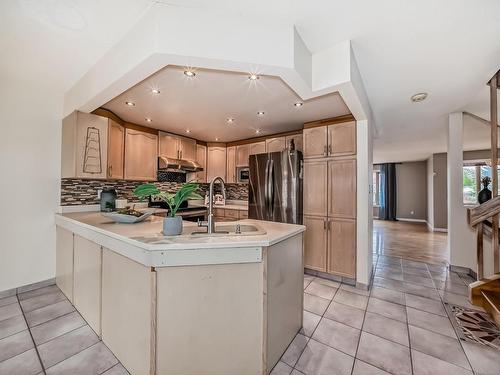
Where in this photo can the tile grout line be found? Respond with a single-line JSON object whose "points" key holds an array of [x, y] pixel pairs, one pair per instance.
{"points": [[32, 339]]}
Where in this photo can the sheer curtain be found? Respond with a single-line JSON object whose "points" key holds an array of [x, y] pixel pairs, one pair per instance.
{"points": [[388, 190]]}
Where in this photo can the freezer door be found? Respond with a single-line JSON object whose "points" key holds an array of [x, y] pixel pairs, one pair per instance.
{"points": [[286, 175], [258, 199]]}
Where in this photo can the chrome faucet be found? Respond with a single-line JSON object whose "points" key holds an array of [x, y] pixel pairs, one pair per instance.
{"points": [[210, 223]]}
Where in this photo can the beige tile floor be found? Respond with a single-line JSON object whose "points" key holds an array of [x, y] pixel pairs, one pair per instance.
{"points": [[400, 326]]}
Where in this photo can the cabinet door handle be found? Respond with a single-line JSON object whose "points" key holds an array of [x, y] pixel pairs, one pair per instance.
{"points": [[329, 149], [110, 170], [324, 224], [328, 225], [324, 151]]}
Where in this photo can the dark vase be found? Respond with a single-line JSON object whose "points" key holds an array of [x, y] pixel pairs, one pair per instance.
{"points": [[484, 195]]}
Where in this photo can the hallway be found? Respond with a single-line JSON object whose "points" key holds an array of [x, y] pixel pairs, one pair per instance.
{"points": [[410, 240]]}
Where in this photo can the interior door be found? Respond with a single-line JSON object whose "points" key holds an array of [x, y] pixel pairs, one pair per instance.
{"points": [[342, 188], [315, 242]]}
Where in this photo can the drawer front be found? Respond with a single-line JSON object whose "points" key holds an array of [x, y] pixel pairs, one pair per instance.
{"points": [[218, 212], [243, 215]]}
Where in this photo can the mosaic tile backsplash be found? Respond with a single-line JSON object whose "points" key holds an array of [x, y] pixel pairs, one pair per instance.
{"points": [[76, 192]]}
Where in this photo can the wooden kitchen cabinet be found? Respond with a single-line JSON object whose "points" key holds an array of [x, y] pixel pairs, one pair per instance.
{"points": [[216, 162], [242, 153], [92, 147], [116, 150], [176, 147], [168, 145], [141, 155], [276, 144], [315, 188], [87, 281], [257, 148], [315, 142], [231, 164], [315, 243], [342, 188], [342, 247], [201, 158], [342, 139], [64, 261]]}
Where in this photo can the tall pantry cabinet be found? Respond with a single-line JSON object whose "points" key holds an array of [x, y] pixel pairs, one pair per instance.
{"points": [[330, 197]]}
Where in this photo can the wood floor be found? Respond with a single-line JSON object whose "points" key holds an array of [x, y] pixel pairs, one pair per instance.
{"points": [[410, 240]]}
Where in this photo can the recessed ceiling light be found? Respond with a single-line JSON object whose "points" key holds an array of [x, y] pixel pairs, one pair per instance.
{"points": [[230, 120], [216, 139], [298, 104], [130, 104], [421, 96], [257, 131], [253, 77], [188, 131], [155, 91], [148, 119], [260, 113], [189, 73]]}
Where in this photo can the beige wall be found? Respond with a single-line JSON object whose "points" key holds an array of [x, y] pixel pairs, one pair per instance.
{"points": [[411, 181], [30, 114]]}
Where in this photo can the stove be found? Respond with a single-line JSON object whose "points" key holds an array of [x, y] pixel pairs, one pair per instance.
{"points": [[187, 213]]}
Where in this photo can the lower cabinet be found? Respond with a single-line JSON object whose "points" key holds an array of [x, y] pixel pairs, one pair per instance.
{"points": [[64, 261], [330, 245], [87, 281], [128, 298], [315, 243]]}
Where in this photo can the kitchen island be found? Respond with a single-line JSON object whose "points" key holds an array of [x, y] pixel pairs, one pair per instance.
{"points": [[192, 304]]}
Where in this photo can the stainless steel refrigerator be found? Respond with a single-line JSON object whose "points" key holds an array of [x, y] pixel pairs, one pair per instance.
{"points": [[275, 187]]}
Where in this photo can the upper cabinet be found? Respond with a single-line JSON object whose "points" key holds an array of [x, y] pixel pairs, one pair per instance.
{"points": [[330, 140], [201, 158], [216, 162], [92, 147], [177, 147], [257, 148], [275, 144], [297, 140], [231, 164], [141, 155], [242, 152]]}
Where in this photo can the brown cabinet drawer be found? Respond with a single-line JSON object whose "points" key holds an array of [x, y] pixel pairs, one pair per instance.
{"points": [[243, 214], [219, 212]]}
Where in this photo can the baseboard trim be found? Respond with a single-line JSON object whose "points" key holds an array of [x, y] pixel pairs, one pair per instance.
{"points": [[412, 220], [27, 288], [466, 270], [434, 229]]}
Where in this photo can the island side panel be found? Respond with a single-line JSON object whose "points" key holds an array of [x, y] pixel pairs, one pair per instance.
{"points": [[64, 261], [210, 319], [285, 283], [127, 305]]}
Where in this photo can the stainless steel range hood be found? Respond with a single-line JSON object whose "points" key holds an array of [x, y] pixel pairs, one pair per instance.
{"points": [[178, 165]]}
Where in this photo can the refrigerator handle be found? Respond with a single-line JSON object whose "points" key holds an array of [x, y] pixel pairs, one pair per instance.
{"points": [[271, 188], [266, 188]]}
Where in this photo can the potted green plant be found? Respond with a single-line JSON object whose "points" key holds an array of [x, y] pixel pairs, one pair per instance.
{"points": [[172, 224]]}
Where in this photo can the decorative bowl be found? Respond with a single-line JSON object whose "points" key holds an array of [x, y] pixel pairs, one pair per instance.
{"points": [[127, 219]]}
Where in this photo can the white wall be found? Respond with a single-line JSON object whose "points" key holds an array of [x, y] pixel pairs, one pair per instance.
{"points": [[461, 239], [29, 188]]}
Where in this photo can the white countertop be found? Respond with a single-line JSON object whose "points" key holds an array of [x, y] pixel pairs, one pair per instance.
{"points": [[125, 239]]}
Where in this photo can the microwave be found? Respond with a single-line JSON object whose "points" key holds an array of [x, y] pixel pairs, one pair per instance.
{"points": [[243, 174]]}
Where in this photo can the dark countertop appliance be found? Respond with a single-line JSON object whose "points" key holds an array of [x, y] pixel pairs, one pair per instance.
{"points": [[275, 187], [108, 200], [187, 213]]}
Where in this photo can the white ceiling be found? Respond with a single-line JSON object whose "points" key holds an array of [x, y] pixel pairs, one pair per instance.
{"points": [[448, 48], [203, 103]]}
